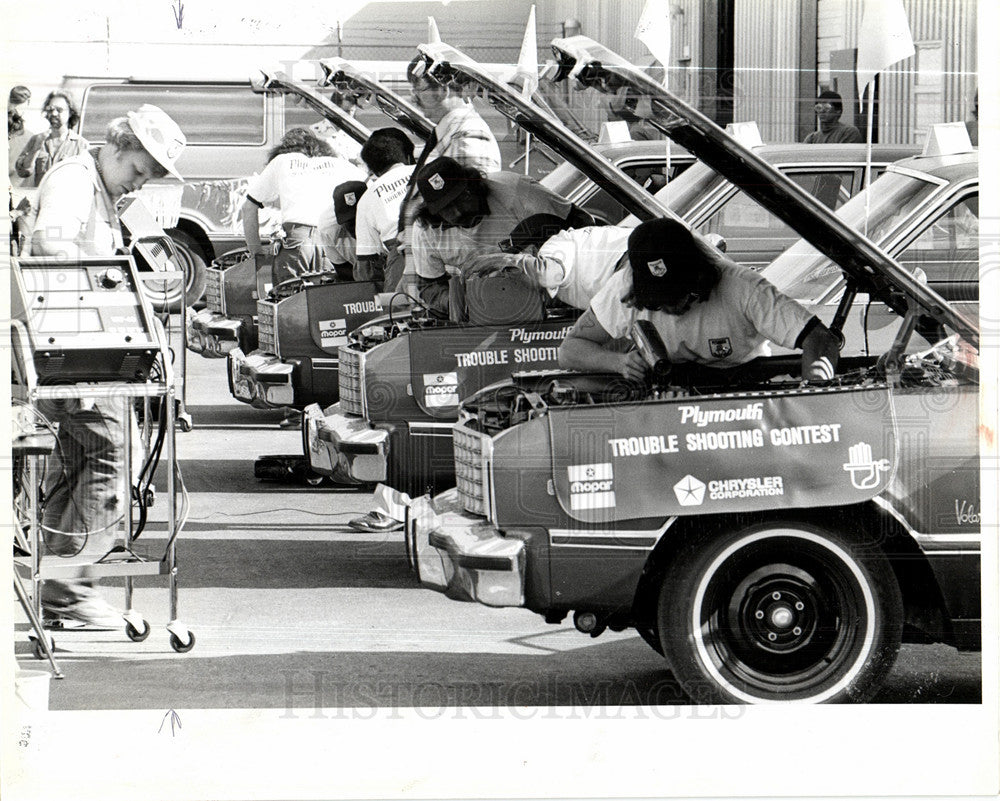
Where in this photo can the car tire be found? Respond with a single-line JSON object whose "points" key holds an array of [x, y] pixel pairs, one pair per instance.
{"points": [[192, 261], [780, 611]]}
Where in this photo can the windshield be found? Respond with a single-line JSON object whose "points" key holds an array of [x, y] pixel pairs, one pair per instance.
{"points": [[684, 191], [806, 274]]}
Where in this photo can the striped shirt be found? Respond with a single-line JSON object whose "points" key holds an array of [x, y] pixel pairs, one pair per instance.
{"points": [[464, 136]]}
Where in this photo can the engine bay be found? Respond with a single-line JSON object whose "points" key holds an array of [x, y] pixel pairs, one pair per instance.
{"points": [[532, 394]]}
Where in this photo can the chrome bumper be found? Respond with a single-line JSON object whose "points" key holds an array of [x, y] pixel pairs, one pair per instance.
{"points": [[210, 333], [462, 555], [344, 445], [261, 379]]}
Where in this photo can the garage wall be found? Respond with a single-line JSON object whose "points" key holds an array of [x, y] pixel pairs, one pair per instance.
{"points": [[767, 61]]}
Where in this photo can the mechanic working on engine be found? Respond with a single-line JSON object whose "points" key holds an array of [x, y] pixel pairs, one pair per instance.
{"points": [[570, 264], [466, 214], [706, 309]]}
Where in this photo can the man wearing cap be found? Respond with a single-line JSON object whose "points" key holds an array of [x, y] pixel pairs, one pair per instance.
{"points": [[86, 496], [706, 308], [459, 131], [466, 215], [829, 106], [337, 229], [388, 153]]}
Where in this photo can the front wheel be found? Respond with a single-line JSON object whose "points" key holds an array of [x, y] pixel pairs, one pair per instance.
{"points": [[168, 298], [780, 611]]}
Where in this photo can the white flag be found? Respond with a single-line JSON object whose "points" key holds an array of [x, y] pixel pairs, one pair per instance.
{"points": [[653, 31], [885, 38], [433, 35], [527, 61]]}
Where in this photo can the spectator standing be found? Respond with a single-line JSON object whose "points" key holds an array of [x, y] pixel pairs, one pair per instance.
{"points": [[829, 106], [52, 146], [21, 126]]}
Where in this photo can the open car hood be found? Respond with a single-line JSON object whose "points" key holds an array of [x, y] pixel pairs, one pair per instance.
{"points": [[450, 66], [344, 76], [280, 82], [866, 267]]}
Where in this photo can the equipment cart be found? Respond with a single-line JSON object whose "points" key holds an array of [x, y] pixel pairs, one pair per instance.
{"points": [[82, 331]]}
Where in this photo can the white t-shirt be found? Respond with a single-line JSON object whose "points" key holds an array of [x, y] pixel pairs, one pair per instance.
{"points": [[731, 327], [74, 207], [576, 263], [300, 186], [378, 210], [512, 198], [338, 245]]}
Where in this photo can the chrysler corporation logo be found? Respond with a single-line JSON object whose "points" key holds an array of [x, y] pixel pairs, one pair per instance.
{"points": [[689, 491]]}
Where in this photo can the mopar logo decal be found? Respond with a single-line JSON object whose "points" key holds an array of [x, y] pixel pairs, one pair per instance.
{"points": [[440, 390], [332, 329], [689, 491], [591, 486]]}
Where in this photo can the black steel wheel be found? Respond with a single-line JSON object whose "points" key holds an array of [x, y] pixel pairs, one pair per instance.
{"points": [[134, 634], [780, 611], [179, 645]]}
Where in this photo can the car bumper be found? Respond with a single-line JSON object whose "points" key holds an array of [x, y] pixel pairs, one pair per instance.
{"points": [[344, 445], [261, 379], [211, 334], [463, 555]]}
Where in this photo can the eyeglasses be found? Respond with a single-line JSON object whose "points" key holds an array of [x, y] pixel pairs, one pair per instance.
{"points": [[823, 107]]}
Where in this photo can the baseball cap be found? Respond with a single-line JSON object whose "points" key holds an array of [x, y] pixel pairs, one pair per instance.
{"points": [[665, 262], [345, 200], [159, 134], [441, 181]]}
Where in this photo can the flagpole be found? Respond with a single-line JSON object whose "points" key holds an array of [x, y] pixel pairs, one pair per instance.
{"points": [[868, 152]]}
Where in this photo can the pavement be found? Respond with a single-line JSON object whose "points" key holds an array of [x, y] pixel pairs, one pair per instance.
{"points": [[321, 669]]}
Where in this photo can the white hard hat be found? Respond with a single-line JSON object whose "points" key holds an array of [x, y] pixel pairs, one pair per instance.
{"points": [[159, 135]]}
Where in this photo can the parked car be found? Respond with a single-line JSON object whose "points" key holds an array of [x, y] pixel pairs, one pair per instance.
{"points": [[774, 541]]}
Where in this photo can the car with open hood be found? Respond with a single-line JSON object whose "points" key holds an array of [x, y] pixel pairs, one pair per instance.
{"points": [[236, 282], [399, 399], [776, 540]]}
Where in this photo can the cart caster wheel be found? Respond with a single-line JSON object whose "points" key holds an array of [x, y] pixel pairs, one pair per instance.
{"points": [[38, 649], [313, 480], [184, 423], [134, 634], [179, 646]]}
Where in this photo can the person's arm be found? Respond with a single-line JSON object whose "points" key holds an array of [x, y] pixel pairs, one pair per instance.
{"points": [[251, 227], [64, 207], [585, 349], [820, 351], [371, 268], [25, 163], [434, 293]]}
